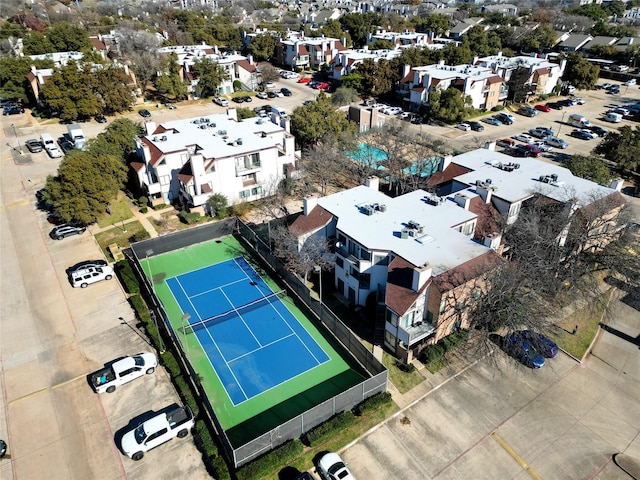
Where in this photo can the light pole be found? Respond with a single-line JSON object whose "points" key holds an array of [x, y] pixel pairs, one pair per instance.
{"points": [[561, 123], [185, 320], [153, 293], [319, 270], [17, 139]]}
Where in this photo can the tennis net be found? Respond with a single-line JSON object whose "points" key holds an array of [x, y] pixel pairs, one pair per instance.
{"points": [[233, 313]]}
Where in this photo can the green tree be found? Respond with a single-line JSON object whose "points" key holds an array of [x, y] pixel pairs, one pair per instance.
{"points": [[262, 46], [319, 123], [333, 29], [169, 83], [145, 66], [219, 205], [344, 96], [113, 89], [210, 76], [11, 30], [378, 77], [66, 37], [436, 22], [352, 81], [36, 43], [84, 185], [622, 147], [457, 55], [581, 73], [13, 76], [382, 45], [69, 92], [117, 140], [449, 105], [360, 26], [591, 168], [244, 112]]}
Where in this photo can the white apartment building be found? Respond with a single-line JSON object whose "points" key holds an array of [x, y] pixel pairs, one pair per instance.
{"points": [[188, 160], [307, 52]]}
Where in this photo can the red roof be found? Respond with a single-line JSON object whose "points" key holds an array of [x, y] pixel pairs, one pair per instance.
{"points": [[408, 77], [246, 65], [399, 295], [137, 166], [156, 153], [489, 220], [338, 46], [98, 44], [317, 218], [495, 79], [452, 171], [302, 50], [467, 271]]}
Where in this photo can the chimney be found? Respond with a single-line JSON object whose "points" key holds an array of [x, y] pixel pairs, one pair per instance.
{"points": [[445, 162], [308, 204], [405, 70], [462, 200], [490, 146], [484, 193], [492, 241], [616, 184], [373, 183], [250, 59], [150, 127], [420, 276], [232, 113]]}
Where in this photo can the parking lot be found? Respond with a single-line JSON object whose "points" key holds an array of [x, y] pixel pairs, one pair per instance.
{"points": [[52, 336]]}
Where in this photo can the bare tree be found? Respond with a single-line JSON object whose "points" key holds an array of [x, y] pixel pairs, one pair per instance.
{"points": [[145, 65], [323, 166], [300, 256], [136, 41], [269, 72]]}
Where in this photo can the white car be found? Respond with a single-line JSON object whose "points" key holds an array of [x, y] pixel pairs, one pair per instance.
{"points": [[631, 81], [524, 137], [579, 101], [331, 467], [465, 127], [270, 85], [393, 111], [262, 95], [556, 142], [542, 146], [221, 101]]}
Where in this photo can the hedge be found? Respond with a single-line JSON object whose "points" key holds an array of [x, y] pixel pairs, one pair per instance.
{"points": [[189, 218], [328, 429], [273, 460], [372, 403], [432, 353], [127, 277]]}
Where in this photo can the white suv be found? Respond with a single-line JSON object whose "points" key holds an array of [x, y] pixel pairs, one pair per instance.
{"points": [[221, 101], [92, 274]]}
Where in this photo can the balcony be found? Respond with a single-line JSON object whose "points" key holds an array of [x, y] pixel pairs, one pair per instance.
{"points": [[247, 168], [419, 331]]}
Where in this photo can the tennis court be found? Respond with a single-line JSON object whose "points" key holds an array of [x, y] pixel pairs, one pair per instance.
{"points": [[249, 335], [259, 359]]}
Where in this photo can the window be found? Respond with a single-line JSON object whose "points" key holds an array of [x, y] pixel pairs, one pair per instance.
{"points": [[381, 259], [245, 193], [255, 159], [468, 228], [256, 191], [165, 179], [339, 262], [514, 210], [407, 319], [392, 318], [491, 94], [389, 338], [443, 305], [248, 179]]}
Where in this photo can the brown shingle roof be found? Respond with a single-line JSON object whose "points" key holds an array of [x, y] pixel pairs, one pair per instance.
{"points": [[452, 171], [247, 66], [489, 219], [137, 166], [156, 153], [399, 295], [317, 218], [470, 270], [494, 79]]}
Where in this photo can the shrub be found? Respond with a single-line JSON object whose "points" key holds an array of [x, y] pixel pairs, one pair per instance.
{"points": [[497, 108], [189, 218], [143, 201], [237, 85], [372, 403], [219, 205], [329, 428], [432, 353], [240, 209], [405, 367], [271, 461], [160, 206], [127, 277], [144, 209]]}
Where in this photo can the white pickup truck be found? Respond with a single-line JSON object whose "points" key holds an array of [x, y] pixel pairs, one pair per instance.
{"points": [[156, 431], [123, 371]]}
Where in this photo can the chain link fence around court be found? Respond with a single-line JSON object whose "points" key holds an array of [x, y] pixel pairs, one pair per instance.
{"points": [[297, 426]]}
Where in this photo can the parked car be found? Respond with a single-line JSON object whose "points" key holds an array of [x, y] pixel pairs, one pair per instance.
{"points": [[506, 142], [476, 126], [567, 102], [582, 134], [100, 118], [286, 92], [307, 102], [532, 149], [85, 264], [523, 137], [621, 110], [65, 144], [13, 110], [542, 344], [269, 85], [614, 90], [542, 108], [579, 101], [519, 348], [262, 95], [528, 111], [465, 127], [271, 94], [492, 121], [556, 142], [33, 145], [247, 99], [304, 79], [628, 83], [554, 105], [144, 113], [541, 132], [86, 276], [505, 118], [221, 101], [238, 99], [123, 371], [66, 230], [331, 467], [601, 132], [543, 147]]}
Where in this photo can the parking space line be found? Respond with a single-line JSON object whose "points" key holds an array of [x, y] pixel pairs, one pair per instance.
{"points": [[19, 203], [507, 448], [42, 390]]}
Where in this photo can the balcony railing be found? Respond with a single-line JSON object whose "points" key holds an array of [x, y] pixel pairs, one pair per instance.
{"points": [[245, 170]]}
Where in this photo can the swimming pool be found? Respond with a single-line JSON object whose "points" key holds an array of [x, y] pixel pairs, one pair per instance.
{"points": [[372, 156]]}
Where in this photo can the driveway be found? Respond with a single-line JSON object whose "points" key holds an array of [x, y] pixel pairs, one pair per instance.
{"points": [[52, 336], [499, 420]]}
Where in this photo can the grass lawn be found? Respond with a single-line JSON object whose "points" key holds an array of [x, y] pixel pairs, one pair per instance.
{"points": [[134, 233], [403, 381], [119, 211], [587, 321], [363, 423]]}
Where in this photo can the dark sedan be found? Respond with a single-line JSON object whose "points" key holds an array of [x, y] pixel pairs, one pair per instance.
{"points": [[542, 344], [63, 231], [581, 134], [238, 99], [554, 105], [476, 126], [286, 92], [13, 110], [144, 113], [516, 346]]}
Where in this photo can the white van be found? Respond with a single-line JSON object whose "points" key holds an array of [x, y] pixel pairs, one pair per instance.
{"points": [[613, 117], [91, 274], [50, 145], [579, 121], [278, 111]]}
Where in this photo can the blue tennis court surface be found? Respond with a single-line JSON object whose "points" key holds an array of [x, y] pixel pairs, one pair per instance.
{"points": [[249, 335]]}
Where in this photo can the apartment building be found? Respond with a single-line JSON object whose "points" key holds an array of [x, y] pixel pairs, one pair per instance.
{"points": [[187, 161], [304, 52]]}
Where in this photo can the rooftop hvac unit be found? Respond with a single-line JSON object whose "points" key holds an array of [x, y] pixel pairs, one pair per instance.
{"points": [[164, 138], [554, 177], [239, 141], [368, 210], [488, 181], [404, 234], [382, 208]]}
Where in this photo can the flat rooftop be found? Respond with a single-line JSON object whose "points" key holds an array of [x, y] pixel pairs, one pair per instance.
{"points": [[438, 245], [216, 136], [521, 183]]}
